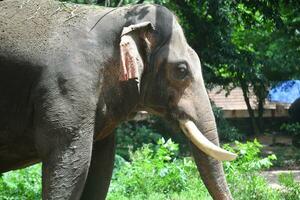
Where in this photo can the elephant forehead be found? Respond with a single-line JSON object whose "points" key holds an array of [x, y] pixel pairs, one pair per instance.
{"points": [[177, 35], [177, 47]]}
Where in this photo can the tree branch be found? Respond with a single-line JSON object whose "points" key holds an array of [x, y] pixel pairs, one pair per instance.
{"points": [[120, 3]]}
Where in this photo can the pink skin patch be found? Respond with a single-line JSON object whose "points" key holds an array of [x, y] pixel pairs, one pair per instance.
{"points": [[129, 59]]}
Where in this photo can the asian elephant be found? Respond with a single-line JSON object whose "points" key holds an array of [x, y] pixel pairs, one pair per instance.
{"points": [[70, 74]]}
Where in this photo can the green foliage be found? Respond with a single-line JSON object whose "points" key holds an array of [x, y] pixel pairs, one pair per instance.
{"points": [[291, 128], [294, 130], [155, 172], [242, 174], [251, 186], [292, 188], [132, 135], [249, 159], [153, 169], [24, 184]]}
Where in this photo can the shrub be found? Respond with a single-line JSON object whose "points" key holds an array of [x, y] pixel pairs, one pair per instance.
{"points": [[292, 129], [292, 188], [24, 184], [155, 172], [154, 169], [249, 158], [251, 186], [130, 136], [243, 173]]}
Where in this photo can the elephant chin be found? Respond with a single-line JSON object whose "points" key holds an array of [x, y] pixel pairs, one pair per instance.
{"points": [[199, 140]]}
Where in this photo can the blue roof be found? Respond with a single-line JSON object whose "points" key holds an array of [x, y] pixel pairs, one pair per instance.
{"points": [[285, 92]]}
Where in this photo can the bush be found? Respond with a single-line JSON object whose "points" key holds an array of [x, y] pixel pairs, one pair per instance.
{"points": [[132, 135], [24, 184], [153, 170], [249, 159], [243, 173], [292, 129], [292, 188]]}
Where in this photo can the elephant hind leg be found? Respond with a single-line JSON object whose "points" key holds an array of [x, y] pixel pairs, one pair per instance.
{"points": [[65, 168]]}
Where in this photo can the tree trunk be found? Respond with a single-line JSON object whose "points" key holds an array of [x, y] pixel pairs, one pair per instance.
{"points": [[245, 90], [260, 114], [260, 91]]}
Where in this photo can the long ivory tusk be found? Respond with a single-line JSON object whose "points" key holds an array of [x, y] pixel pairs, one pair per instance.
{"points": [[194, 134]]}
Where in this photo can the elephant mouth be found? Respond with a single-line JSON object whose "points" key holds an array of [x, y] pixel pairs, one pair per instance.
{"points": [[192, 132]]}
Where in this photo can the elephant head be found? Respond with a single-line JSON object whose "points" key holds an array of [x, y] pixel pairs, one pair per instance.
{"points": [[155, 53]]}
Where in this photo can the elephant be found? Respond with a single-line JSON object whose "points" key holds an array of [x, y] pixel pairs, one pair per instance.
{"points": [[294, 113], [294, 110], [69, 74]]}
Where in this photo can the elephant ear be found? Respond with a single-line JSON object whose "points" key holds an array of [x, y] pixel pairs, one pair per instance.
{"points": [[132, 64]]}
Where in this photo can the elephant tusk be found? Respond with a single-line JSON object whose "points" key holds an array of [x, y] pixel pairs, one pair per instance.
{"points": [[194, 134]]}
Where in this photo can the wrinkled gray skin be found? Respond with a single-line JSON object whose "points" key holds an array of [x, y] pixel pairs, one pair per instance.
{"points": [[61, 98]]}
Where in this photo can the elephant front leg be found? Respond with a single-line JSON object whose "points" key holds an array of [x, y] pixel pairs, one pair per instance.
{"points": [[101, 168], [65, 164]]}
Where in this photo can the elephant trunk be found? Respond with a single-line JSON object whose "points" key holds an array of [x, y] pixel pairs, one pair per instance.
{"points": [[211, 172], [202, 132], [210, 169]]}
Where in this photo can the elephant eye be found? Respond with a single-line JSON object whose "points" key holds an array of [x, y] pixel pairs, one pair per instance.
{"points": [[181, 71]]}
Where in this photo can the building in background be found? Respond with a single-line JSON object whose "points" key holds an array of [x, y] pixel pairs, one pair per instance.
{"points": [[234, 106]]}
